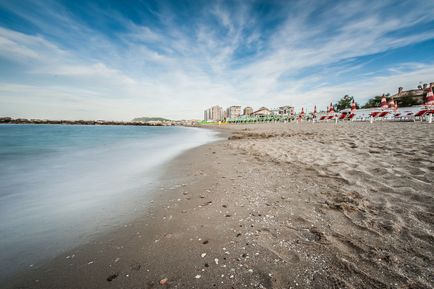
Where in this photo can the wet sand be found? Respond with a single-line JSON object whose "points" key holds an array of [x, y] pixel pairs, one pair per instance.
{"points": [[275, 206]]}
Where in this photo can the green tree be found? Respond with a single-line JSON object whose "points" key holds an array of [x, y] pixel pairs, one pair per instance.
{"points": [[375, 101], [344, 102], [409, 100]]}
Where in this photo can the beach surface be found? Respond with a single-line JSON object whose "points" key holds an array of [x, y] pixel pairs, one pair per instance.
{"points": [[346, 205]]}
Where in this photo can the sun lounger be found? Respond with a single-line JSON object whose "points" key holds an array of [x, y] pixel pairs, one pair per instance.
{"points": [[382, 114], [420, 114], [351, 116], [343, 116], [374, 113]]}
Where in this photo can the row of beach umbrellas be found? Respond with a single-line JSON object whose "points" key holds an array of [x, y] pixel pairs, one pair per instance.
{"points": [[392, 104]]}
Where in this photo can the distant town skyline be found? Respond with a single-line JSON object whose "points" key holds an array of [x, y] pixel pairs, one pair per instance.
{"points": [[118, 60]]}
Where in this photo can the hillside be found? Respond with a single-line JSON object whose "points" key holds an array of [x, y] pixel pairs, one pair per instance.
{"points": [[150, 119]]}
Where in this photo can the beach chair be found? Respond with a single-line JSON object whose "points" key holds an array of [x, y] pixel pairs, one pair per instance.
{"points": [[322, 117], [343, 116], [351, 116], [430, 115], [382, 114], [408, 115], [374, 114], [420, 114]]}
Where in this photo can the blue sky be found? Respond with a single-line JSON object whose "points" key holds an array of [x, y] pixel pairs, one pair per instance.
{"points": [[124, 59]]}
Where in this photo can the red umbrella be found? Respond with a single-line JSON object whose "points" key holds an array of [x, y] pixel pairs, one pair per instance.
{"points": [[331, 110], [302, 112], [353, 107], [384, 103], [395, 107], [429, 96], [391, 103]]}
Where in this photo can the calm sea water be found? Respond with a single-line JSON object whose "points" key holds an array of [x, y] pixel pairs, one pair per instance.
{"points": [[59, 185]]}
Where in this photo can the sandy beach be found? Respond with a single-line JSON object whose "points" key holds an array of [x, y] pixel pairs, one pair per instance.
{"points": [[326, 205]]}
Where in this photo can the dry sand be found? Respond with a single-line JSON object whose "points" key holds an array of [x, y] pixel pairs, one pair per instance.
{"points": [[275, 206]]}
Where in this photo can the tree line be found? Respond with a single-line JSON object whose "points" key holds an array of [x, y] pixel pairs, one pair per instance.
{"points": [[403, 101]]}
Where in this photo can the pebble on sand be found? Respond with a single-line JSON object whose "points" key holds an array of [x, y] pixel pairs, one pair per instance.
{"points": [[197, 276], [203, 255]]}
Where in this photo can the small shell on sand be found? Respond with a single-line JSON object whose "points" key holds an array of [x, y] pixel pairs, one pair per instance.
{"points": [[163, 281]]}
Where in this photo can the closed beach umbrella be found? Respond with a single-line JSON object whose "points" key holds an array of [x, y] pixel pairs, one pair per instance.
{"points": [[395, 107], [391, 103], [384, 103], [429, 96], [353, 107], [331, 109], [314, 114], [302, 112]]}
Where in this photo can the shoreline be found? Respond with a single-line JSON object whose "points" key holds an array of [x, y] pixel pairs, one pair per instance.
{"points": [[274, 206], [173, 184]]}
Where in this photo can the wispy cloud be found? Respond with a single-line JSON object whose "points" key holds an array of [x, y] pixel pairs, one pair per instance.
{"points": [[174, 61]]}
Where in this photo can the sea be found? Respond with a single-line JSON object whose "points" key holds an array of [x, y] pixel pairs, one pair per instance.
{"points": [[62, 185]]}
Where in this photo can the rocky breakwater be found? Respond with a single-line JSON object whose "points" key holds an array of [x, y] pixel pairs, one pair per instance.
{"points": [[9, 120]]}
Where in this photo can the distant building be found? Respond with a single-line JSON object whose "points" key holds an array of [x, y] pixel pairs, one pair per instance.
{"points": [[285, 110], [262, 111], [247, 110], [233, 111], [206, 114], [214, 113], [417, 94]]}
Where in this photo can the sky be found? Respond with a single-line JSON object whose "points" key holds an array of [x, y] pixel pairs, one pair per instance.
{"points": [[117, 60]]}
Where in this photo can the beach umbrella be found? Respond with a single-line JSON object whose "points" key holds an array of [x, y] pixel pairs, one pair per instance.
{"points": [[302, 112], [395, 106], [391, 103], [314, 114], [353, 107], [384, 103], [429, 96], [331, 110]]}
